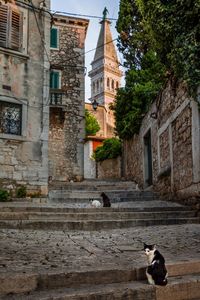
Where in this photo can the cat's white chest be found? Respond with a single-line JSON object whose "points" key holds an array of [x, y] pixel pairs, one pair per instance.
{"points": [[150, 257]]}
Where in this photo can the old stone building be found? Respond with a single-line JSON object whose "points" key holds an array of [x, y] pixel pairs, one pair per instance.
{"points": [[24, 81], [105, 80], [166, 153], [67, 84]]}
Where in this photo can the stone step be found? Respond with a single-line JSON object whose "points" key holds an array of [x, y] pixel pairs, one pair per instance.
{"points": [[154, 207], [181, 288], [94, 194], [92, 225], [116, 199], [94, 185], [95, 215], [74, 283]]}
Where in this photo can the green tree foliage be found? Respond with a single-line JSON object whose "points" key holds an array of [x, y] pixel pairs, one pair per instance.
{"points": [[111, 148], [174, 26], [132, 102], [91, 124], [158, 38]]}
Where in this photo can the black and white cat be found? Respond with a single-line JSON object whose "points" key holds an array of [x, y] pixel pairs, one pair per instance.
{"points": [[156, 271]]}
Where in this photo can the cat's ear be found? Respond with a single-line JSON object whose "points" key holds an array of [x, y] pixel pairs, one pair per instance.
{"points": [[154, 247], [144, 245]]}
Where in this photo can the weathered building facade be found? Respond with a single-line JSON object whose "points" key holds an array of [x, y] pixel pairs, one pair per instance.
{"points": [[67, 87], [166, 153], [24, 91]]}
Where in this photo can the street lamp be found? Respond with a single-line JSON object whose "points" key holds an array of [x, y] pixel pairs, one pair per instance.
{"points": [[95, 104]]}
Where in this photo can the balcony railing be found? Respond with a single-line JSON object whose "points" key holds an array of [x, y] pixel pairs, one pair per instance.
{"points": [[56, 97]]}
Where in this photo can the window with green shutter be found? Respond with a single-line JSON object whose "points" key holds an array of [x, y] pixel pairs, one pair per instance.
{"points": [[54, 38], [55, 79]]}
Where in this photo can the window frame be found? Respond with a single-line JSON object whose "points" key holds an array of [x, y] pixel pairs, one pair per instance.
{"points": [[22, 51], [58, 38], [24, 114], [59, 79], [12, 28]]}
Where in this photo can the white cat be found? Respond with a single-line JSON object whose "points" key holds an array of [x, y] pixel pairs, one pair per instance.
{"points": [[95, 203]]}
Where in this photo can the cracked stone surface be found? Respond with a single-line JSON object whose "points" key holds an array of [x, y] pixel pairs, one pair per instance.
{"points": [[46, 251]]}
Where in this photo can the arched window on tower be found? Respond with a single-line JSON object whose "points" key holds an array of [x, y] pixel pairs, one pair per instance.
{"points": [[93, 87], [108, 83], [113, 84], [117, 85], [101, 84], [97, 85]]}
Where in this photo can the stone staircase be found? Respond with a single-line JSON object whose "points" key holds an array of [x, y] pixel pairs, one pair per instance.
{"points": [[75, 252], [53, 218], [68, 208], [184, 284]]}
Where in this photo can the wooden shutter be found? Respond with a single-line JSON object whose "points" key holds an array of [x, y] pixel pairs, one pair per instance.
{"points": [[16, 30], [4, 25], [54, 38]]}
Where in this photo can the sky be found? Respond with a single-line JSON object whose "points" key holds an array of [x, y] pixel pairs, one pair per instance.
{"points": [[92, 8]]}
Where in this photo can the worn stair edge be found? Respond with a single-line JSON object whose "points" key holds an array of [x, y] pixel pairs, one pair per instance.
{"points": [[94, 210], [23, 282], [181, 288], [91, 225], [94, 215]]}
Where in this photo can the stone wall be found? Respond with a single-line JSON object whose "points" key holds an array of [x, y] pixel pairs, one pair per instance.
{"points": [[174, 145], [66, 136], [24, 80], [109, 168]]}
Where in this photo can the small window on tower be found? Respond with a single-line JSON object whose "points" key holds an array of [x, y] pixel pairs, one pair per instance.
{"points": [[101, 83], [113, 84], [108, 82], [97, 85]]}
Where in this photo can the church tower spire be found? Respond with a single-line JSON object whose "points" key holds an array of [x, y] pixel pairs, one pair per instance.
{"points": [[105, 74]]}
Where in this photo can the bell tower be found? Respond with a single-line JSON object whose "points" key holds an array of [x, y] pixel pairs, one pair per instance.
{"points": [[105, 74]]}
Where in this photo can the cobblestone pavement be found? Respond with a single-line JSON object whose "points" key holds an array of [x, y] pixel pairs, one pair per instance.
{"points": [[46, 251]]}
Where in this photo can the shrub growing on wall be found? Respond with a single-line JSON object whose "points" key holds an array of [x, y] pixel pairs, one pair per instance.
{"points": [[111, 148], [4, 195], [91, 124], [21, 192]]}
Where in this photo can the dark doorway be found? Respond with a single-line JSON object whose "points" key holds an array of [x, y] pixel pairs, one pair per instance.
{"points": [[148, 175]]}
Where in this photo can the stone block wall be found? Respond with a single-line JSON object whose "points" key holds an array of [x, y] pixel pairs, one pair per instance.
{"points": [[175, 146], [66, 136], [109, 168], [24, 80]]}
